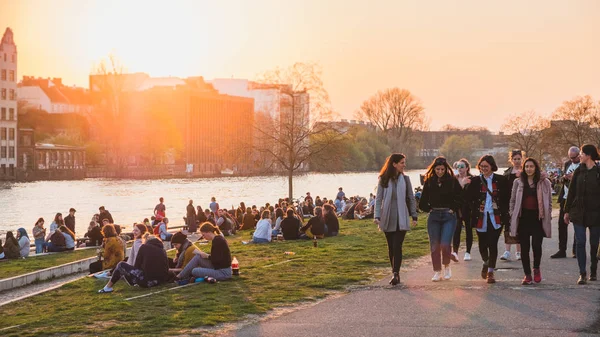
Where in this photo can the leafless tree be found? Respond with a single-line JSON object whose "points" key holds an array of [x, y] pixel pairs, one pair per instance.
{"points": [[574, 119], [527, 131], [300, 130], [397, 113]]}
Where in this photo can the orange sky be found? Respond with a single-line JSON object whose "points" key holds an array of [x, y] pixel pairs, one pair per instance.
{"points": [[471, 62]]}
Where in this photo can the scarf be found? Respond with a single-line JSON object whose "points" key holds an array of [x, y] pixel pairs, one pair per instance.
{"points": [[483, 196]]}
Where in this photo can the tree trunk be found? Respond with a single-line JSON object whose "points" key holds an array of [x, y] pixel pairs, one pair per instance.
{"points": [[290, 184]]}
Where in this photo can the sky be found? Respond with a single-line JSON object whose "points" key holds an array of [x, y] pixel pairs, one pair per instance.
{"points": [[470, 62]]}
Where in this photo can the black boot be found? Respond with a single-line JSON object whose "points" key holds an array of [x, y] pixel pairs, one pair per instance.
{"points": [[593, 275], [582, 279], [396, 279]]}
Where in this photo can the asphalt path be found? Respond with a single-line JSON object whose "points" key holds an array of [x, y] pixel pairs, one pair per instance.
{"points": [[463, 306]]}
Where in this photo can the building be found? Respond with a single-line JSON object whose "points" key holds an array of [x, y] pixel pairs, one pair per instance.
{"points": [[50, 95], [274, 101], [8, 106], [48, 161], [183, 121]]}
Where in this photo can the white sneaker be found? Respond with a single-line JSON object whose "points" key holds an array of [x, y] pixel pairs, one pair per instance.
{"points": [[505, 256], [436, 277], [518, 256], [454, 257], [467, 257], [447, 273]]}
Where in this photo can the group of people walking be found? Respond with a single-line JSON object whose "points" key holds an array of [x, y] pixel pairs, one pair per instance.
{"points": [[518, 202]]}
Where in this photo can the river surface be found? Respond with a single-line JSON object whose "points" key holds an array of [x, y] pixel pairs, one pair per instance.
{"points": [[131, 201]]}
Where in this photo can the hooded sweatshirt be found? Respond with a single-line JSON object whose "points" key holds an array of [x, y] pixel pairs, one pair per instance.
{"points": [[152, 260]]}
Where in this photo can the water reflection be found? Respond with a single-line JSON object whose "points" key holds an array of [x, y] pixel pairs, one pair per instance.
{"points": [[131, 201]]}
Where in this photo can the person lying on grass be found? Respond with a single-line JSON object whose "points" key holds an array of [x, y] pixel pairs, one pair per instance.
{"points": [[151, 267], [217, 264]]}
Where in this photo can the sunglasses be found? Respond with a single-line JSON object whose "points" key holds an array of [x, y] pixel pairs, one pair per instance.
{"points": [[461, 166], [440, 161]]}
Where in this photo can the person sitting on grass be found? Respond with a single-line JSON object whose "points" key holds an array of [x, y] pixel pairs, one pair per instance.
{"points": [[57, 242], [151, 267], [113, 251], [290, 226], [262, 234], [217, 264], [69, 237], [316, 225], [331, 221], [185, 252], [162, 230], [11, 246], [94, 235], [24, 242], [138, 240], [248, 221], [278, 220]]}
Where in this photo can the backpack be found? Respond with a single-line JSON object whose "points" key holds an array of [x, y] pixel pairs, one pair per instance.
{"points": [[156, 230], [58, 239]]}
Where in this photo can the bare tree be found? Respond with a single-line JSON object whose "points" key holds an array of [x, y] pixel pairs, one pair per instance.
{"points": [[299, 131], [574, 119], [396, 112], [527, 132]]}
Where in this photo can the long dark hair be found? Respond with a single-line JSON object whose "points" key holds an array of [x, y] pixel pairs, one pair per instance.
{"points": [[38, 221], [591, 150], [388, 171], [11, 237], [56, 217], [207, 227], [439, 161], [536, 176]]}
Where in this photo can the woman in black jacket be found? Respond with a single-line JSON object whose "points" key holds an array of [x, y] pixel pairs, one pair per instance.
{"points": [[583, 208], [488, 196], [331, 220], [441, 197], [290, 225], [316, 224], [151, 267], [464, 213]]}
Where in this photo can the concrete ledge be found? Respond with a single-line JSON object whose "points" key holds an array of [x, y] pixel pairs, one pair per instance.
{"points": [[48, 273]]}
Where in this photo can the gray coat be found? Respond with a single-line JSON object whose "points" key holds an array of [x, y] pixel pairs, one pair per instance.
{"points": [[407, 205]]}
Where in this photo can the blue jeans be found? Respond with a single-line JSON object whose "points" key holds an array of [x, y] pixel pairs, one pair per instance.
{"points": [[39, 245], [440, 227], [580, 238], [260, 240]]}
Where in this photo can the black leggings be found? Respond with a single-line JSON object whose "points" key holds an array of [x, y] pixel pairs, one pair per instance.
{"points": [[530, 228], [131, 275], [468, 232], [488, 244], [395, 241]]}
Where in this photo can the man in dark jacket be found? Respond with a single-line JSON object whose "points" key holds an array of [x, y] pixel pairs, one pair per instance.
{"points": [[70, 220], [105, 214], [563, 227]]}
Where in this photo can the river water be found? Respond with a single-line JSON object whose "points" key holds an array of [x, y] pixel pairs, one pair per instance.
{"points": [[131, 201]]}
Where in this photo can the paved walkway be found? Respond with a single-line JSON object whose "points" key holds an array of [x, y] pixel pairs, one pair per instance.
{"points": [[463, 306]]}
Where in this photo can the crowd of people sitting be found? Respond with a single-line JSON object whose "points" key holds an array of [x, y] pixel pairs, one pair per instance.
{"points": [[147, 263]]}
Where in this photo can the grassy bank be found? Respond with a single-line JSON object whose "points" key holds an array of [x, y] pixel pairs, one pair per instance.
{"points": [[16, 267], [268, 279]]}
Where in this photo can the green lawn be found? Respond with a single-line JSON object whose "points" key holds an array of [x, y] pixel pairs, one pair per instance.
{"points": [[267, 280], [16, 267]]}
